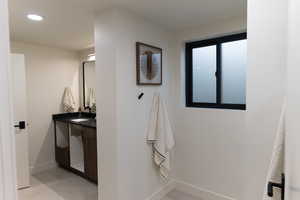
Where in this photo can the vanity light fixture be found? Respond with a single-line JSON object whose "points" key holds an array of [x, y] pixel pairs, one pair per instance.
{"points": [[35, 17], [91, 57]]}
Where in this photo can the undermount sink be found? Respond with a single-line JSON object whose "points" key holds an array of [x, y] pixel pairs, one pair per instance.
{"points": [[80, 120]]}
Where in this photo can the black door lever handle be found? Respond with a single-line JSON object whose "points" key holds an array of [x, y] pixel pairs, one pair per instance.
{"points": [[21, 125]]}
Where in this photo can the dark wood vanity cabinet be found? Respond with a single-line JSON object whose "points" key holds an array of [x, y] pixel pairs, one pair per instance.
{"points": [[90, 153], [67, 134]]}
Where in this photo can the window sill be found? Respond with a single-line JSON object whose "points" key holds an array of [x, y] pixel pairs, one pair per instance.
{"points": [[217, 106]]}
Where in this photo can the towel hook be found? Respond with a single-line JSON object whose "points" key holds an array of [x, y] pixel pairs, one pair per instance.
{"points": [[141, 95]]}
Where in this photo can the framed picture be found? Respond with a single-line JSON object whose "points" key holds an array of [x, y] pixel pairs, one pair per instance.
{"points": [[148, 64]]}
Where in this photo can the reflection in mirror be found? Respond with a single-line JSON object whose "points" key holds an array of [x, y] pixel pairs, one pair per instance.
{"points": [[89, 85]]}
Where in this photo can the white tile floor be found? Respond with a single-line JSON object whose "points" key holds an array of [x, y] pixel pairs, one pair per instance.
{"points": [[58, 184], [177, 195]]}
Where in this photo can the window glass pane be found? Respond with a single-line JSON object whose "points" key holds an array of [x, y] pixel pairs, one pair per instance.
{"points": [[234, 60], [204, 79]]}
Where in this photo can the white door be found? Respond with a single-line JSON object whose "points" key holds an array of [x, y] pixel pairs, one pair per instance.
{"points": [[20, 119]]}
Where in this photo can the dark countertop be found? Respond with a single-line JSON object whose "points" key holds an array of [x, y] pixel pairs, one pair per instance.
{"points": [[69, 117]]}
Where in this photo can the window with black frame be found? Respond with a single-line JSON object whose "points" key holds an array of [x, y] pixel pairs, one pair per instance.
{"points": [[216, 72]]}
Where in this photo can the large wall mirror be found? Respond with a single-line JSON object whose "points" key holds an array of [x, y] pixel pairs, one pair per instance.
{"points": [[89, 85]]}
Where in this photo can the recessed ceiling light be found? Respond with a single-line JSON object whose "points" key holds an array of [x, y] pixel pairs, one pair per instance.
{"points": [[35, 17]]}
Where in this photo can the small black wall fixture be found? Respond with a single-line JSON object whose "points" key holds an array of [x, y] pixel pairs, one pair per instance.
{"points": [[140, 95], [278, 185]]}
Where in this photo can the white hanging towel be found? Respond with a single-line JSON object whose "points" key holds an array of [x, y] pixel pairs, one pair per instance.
{"points": [[92, 97], [160, 135], [277, 161], [69, 103]]}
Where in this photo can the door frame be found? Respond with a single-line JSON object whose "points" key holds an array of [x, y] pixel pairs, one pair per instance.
{"points": [[8, 189]]}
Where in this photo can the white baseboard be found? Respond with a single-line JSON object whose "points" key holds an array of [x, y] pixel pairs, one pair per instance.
{"points": [[158, 195], [42, 167], [188, 189], [199, 192]]}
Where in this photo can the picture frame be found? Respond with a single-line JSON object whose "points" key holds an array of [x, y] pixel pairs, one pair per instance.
{"points": [[148, 64]]}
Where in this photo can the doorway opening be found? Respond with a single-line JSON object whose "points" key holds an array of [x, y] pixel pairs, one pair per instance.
{"points": [[54, 90]]}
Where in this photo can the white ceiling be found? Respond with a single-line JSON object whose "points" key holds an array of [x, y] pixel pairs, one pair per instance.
{"points": [[69, 23]]}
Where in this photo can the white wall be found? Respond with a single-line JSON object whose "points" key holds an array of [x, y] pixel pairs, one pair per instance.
{"points": [[126, 168], [48, 71], [225, 151], [293, 108], [267, 31], [208, 152]]}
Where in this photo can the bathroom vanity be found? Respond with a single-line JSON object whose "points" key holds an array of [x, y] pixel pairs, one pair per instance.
{"points": [[76, 143]]}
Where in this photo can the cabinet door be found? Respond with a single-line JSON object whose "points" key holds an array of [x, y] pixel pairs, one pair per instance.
{"points": [[76, 148], [62, 150], [90, 154]]}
